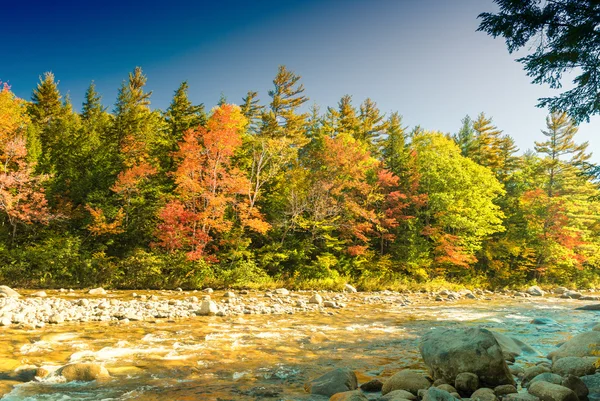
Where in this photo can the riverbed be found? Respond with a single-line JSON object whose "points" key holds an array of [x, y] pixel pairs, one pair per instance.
{"points": [[265, 356]]}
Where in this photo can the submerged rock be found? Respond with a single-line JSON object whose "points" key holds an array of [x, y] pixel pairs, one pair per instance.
{"points": [[335, 381], [452, 351], [590, 307], [83, 372]]}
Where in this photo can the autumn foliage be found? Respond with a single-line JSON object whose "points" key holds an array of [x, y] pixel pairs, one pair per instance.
{"points": [[139, 197], [21, 193], [210, 196]]}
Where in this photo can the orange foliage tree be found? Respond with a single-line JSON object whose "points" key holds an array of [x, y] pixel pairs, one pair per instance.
{"points": [[209, 195], [22, 197]]}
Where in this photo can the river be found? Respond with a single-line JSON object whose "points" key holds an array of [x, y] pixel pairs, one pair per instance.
{"points": [[254, 356]]}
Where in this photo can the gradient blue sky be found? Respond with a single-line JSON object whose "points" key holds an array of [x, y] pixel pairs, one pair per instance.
{"points": [[422, 58]]}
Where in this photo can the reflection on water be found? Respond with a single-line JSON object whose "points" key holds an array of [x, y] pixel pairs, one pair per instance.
{"points": [[257, 356]]}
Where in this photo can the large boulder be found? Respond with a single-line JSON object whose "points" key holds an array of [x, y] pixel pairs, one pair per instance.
{"points": [[513, 347], [335, 381], [581, 345], [573, 365], [452, 351], [83, 372], [590, 307], [552, 392], [407, 380], [8, 292]]}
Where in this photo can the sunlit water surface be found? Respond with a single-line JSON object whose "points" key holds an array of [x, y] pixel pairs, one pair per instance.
{"points": [[254, 357]]}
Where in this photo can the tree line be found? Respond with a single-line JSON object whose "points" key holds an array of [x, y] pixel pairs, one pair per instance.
{"points": [[278, 191]]}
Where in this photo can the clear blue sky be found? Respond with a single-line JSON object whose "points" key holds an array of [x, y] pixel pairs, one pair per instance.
{"points": [[422, 58]]}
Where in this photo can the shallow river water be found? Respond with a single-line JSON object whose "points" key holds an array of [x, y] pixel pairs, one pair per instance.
{"points": [[252, 357]]}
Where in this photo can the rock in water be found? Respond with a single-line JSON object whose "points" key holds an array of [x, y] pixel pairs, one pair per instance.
{"points": [[581, 345], [316, 299], [83, 372], [398, 395], [590, 307], [466, 383], [349, 396], [449, 352], [513, 347], [8, 292], [372, 386], [592, 382], [572, 365], [97, 291], [407, 380], [208, 308], [336, 381], [484, 394], [435, 394], [282, 291], [577, 385], [349, 288], [535, 291], [552, 392]]}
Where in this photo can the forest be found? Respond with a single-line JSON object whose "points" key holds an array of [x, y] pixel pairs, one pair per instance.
{"points": [[277, 191]]}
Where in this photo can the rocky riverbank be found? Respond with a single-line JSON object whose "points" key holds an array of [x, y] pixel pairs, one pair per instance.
{"points": [[36, 309], [113, 335], [473, 364]]}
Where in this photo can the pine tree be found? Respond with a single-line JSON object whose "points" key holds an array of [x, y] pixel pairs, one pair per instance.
{"points": [[465, 137], [183, 115], [394, 149], [46, 101], [560, 132], [252, 110], [486, 147], [283, 119], [372, 125]]}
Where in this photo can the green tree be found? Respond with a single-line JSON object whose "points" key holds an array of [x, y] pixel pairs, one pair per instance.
{"points": [[465, 137], [460, 211], [372, 125], [564, 37], [560, 144]]}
